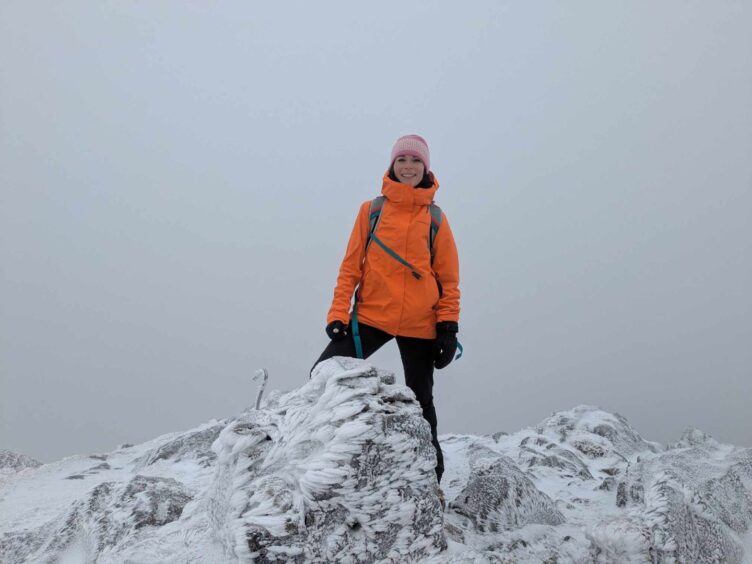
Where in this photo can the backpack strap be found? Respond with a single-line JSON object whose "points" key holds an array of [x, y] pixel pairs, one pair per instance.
{"points": [[374, 216], [436, 217]]}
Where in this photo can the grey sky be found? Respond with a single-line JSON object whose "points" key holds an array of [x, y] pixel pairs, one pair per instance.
{"points": [[178, 182]]}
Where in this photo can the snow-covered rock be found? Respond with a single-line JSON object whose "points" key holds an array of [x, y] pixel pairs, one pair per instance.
{"points": [[499, 496], [693, 502], [621, 499], [342, 470], [195, 444], [13, 462], [108, 516]]}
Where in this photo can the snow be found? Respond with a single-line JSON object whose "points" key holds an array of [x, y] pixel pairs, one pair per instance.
{"points": [[341, 469]]}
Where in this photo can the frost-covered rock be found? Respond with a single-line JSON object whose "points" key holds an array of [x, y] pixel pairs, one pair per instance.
{"points": [[621, 499], [694, 503], [13, 462], [694, 437], [194, 444], [539, 452], [498, 496], [594, 433], [102, 520], [342, 470]]}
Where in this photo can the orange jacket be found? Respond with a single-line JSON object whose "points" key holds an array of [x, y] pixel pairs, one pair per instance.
{"points": [[391, 298]]}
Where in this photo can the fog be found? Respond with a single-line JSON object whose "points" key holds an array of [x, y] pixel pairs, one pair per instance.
{"points": [[178, 182]]}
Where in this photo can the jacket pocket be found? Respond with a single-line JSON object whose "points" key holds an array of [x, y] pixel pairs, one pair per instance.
{"points": [[373, 291]]}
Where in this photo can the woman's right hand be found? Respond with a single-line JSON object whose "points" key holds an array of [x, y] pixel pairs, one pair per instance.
{"points": [[336, 330]]}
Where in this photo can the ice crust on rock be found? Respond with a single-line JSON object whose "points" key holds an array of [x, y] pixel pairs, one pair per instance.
{"points": [[498, 496], [193, 444], [693, 502], [621, 499], [13, 462], [108, 515], [342, 470]]}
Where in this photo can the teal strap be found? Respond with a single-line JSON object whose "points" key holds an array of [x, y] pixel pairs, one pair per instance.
{"points": [[459, 347], [374, 216], [395, 256], [436, 216], [356, 331]]}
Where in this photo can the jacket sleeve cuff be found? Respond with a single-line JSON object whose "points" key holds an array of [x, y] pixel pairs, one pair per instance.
{"points": [[447, 327], [337, 316]]}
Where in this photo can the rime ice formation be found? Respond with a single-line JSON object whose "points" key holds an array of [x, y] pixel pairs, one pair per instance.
{"points": [[341, 470], [620, 499], [11, 462]]}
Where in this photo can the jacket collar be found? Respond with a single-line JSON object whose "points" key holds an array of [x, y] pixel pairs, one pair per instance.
{"points": [[406, 195]]}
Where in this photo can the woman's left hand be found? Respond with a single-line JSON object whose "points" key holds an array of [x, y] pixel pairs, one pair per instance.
{"points": [[445, 345]]}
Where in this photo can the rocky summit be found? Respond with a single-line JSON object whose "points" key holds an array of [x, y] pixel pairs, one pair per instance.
{"points": [[341, 470]]}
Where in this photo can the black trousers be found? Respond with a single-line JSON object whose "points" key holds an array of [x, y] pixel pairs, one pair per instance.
{"points": [[417, 362]]}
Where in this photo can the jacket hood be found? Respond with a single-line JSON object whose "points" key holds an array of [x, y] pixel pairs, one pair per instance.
{"points": [[399, 193]]}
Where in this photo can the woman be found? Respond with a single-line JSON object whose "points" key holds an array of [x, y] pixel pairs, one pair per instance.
{"points": [[401, 265]]}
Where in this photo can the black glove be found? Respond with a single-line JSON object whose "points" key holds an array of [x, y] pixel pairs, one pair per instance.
{"points": [[446, 343], [336, 330]]}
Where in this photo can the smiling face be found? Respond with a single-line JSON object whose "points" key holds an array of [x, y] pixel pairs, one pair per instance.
{"points": [[409, 170]]}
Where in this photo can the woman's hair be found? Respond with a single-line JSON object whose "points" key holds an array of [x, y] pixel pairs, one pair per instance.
{"points": [[426, 181]]}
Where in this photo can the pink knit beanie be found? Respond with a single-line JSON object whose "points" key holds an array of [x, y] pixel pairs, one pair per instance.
{"points": [[413, 145]]}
